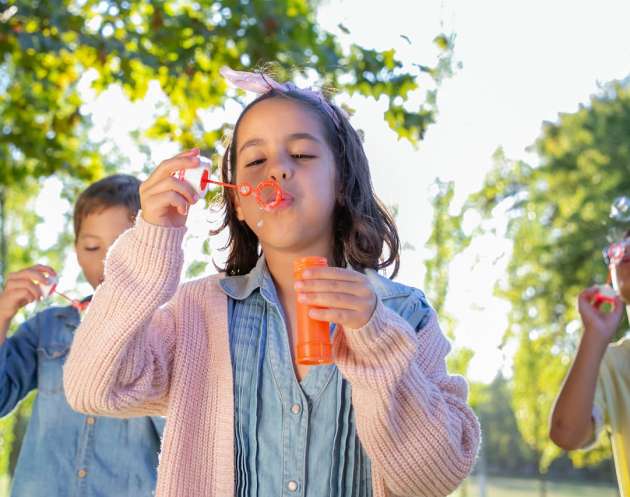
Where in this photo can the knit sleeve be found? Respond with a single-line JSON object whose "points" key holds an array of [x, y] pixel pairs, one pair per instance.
{"points": [[121, 358], [412, 416]]}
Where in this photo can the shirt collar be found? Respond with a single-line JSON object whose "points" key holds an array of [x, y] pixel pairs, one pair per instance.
{"points": [[242, 286]]}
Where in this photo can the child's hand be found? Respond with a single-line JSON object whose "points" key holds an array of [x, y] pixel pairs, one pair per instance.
{"points": [[599, 325], [22, 288], [345, 294], [163, 198]]}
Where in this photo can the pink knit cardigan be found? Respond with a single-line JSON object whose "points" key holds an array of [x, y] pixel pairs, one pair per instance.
{"points": [[149, 347]]}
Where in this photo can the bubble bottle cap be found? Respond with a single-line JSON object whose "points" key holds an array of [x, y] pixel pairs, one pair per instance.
{"points": [[49, 288], [605, 300]]}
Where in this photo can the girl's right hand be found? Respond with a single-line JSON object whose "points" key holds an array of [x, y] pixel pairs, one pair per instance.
{"points": [[164, 199], [599, 325], [22, 288]]}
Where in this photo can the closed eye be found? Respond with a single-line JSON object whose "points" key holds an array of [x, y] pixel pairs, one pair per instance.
{"points": [[255, 162], [303, 156], [92, 249]]}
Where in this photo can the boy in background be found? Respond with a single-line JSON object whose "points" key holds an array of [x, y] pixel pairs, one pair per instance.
{"points": [[66, 453]]}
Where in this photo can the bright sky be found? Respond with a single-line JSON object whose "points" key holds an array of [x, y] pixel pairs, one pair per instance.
{"points": [[523, 63]]}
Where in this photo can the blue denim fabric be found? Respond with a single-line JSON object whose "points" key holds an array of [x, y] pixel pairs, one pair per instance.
{"points": [[64, 453], [295, 438]]}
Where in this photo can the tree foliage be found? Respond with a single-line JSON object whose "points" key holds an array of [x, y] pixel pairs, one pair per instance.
{"points": [[46, 48], [559, 221]]}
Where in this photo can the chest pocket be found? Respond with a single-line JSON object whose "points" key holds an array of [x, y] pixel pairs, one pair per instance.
{"points": [[50, 361]]}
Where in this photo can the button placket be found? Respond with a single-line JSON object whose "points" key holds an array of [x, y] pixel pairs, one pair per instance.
{"points": [[294, 424]]}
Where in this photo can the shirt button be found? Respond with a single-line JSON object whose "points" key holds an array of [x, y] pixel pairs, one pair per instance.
{"points": [[82, 473], [91, 420], [292, 486], [295, 408]]}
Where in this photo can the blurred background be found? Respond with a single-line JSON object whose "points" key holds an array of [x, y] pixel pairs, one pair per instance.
{"points": [[498, 134]]}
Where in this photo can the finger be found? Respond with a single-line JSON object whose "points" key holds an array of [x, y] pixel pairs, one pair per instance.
{"points": [[332, 273], [618, 309], [167, 167], [617, 314], [334, 286], [30, 274], [21, 285], [589, 293], [170, 199], [24, 297], [334, 300], [339, 316], [184, 188], [42, 268], [191, 152]]}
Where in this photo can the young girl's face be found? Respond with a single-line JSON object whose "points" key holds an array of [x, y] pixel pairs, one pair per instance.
{"points": [[282, 139]]}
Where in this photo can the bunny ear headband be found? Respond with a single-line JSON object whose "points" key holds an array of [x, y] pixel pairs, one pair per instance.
{"points": [[260, 84]]}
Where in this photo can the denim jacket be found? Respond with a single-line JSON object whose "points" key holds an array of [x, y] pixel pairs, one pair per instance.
{"points": [[295, 438], [64, 453]]}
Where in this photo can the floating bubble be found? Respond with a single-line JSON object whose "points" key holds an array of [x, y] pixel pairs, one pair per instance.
{"points": [[620, 209], [615, 234]]}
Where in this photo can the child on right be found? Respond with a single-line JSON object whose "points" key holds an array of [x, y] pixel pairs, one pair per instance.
{"points": [[217, 355], [596, 391]]}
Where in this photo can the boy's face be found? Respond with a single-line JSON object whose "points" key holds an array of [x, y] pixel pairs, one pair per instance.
{"points": [[98, 231]]}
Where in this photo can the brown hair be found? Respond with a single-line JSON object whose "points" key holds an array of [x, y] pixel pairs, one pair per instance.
{"points": [[361, 223], [112, 191]]}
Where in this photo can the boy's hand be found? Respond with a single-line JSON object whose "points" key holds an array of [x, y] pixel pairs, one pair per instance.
{"points": [[163, 198], [22, 288], [599, 325], [345, 294]]}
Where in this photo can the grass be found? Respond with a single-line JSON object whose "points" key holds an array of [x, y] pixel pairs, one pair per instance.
{"points": [[517, 487]]}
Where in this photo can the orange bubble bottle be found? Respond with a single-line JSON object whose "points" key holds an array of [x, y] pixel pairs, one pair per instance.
{"points": [[313, 337]]}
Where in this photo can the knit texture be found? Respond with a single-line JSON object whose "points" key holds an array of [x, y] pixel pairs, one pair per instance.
{"points": [[149, 347]]}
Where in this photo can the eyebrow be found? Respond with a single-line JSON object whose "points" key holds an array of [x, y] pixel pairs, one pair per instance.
{"points": [[87, 235], [292, 137]]}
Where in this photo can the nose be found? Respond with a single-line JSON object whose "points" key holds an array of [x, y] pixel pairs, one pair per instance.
{"points": [[281, 169]]}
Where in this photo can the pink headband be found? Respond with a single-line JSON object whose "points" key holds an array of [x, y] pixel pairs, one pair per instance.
{"points": [[260, 84]]}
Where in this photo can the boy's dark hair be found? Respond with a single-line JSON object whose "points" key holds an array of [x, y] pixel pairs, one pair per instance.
{"points": [[112, 191], [361, 223]]}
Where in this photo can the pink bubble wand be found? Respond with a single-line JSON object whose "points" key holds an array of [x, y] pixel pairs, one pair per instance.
{"points": [[268, 193]]}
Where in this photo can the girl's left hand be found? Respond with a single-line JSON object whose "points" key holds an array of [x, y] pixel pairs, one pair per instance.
{"points": [[345, 295]]}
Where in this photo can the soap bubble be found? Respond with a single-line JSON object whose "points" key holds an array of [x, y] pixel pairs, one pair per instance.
{"points": [[618, 222], [620, 209]]}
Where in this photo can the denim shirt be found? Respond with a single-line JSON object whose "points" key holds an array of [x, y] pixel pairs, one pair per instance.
{"points": [[64, 453], [295, 438]]}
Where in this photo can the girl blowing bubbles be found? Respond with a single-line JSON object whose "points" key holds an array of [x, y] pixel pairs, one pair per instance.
{"points": [[216, 355]]}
